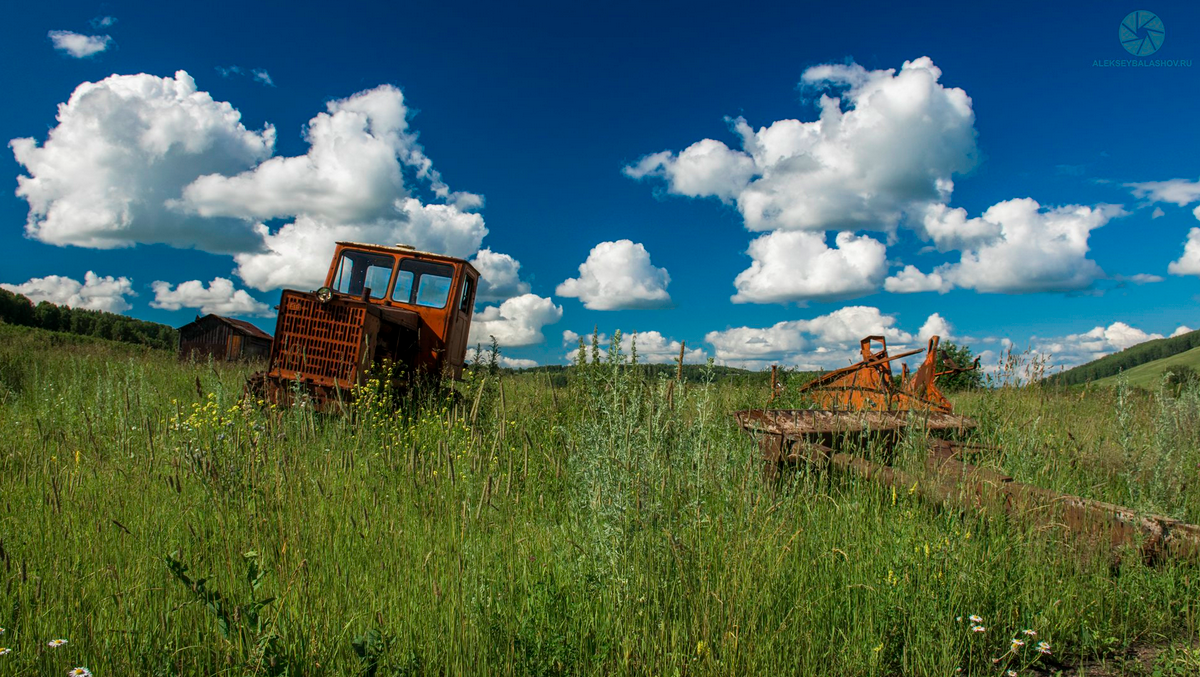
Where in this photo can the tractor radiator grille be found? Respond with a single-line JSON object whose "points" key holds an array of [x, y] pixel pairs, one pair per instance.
{"points": [[318, 341]]}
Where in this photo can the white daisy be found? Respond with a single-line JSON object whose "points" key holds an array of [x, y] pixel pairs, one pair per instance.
{"points": [[55, 643]]}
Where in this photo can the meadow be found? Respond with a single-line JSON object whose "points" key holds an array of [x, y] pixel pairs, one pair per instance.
{"points": [[161, 524]]}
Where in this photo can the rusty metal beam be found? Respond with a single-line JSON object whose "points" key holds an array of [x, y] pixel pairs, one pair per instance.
{"points": [[949, 480], [828, 438]]}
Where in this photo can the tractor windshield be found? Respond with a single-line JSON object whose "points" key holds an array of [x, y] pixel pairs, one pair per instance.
{"points": [[423, 283], [359, 270]]}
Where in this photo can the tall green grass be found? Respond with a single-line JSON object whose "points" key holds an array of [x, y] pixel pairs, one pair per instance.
{"points": [[163, 525]]}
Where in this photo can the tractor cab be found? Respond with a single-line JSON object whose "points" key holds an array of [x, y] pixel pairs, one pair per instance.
{"points": [[369, 275]]}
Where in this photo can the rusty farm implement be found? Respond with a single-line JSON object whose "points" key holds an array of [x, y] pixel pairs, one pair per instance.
{"points": [[864, 406]]}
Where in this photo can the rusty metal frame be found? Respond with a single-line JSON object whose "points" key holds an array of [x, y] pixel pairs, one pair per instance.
{"points": [[870, 384]]}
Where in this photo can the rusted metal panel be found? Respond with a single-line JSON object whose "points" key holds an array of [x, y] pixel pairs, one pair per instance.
{"points": [[318, 342], [985, 488], [870, 384], [797, 423]]}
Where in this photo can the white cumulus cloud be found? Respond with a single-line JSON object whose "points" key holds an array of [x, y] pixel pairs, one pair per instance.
{"points": [[141, 159], [652, 347], [78, 45], [1181, 330], [352, 173], [1027, 249], [1076, 349], [499, 276], [350, 185], [886, 142], [705, 168], [911, 280], [951, 229], [935, 325], [824, 342], [125, 146], [618, 275], [799, 266], [298, 254], [517, 362], [1189, 262], [1180, 192], [219, 297], [94, 293], [516, 322]]}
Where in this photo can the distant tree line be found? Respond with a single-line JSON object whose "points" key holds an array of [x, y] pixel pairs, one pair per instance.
{"points": [[18, 310], [1126, 359]]}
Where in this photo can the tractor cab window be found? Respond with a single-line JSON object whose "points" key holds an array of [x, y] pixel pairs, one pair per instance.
{"points": [[359, 270], [466, 305], [423, 283]]}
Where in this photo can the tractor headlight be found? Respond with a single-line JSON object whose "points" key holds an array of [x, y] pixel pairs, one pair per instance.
{"points": [[324, 294]]}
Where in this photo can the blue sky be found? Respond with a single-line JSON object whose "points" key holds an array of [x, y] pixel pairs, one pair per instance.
{"points": [[542, 123]]}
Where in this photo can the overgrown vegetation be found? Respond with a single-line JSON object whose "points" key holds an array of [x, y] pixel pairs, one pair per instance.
{"points": [[616, 525]]}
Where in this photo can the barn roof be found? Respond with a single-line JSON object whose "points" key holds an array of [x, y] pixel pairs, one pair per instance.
{"points": [[246, 327], [240, 326]]}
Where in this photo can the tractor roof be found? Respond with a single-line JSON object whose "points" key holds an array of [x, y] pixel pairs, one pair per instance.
{"points": [[407, 249]]}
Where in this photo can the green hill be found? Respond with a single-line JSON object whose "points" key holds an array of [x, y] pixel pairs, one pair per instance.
{"points": [[1127, 360], [1149, 374]]}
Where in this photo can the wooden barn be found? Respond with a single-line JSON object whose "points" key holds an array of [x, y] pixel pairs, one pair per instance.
{"points": [[223, 338]]}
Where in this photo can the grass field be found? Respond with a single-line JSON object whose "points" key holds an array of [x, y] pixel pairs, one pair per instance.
{"points": [[1150, 374], [618, 525]]}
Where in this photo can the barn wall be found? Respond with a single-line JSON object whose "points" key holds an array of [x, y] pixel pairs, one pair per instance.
{"points": [[213, 338], [208, 339]]}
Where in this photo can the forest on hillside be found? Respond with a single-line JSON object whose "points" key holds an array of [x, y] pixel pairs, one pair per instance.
{"points": [[1116, 363], [19, 310]]}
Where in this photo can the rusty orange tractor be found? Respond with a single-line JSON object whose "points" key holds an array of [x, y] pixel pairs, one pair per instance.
{"points": [[379, 305]]}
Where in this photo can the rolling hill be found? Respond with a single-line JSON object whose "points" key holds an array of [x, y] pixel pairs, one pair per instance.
{"points": [[1148, 374], [1143, 357]]}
